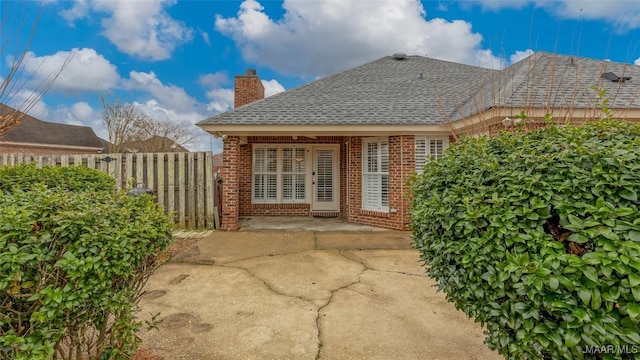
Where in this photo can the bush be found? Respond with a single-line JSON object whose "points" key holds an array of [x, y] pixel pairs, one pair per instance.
{"points": [[72, 267], [537, 237], [25, 176]]}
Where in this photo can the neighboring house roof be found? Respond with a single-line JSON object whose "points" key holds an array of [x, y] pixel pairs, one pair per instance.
{"points": [[418, 90], [153, 144], [33, 131]]}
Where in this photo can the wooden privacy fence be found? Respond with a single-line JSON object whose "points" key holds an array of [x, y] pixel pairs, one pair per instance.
{"points": [[183, 183]]}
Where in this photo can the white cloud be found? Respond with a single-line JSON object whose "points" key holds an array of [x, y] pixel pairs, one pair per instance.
{"points": [[637, 62], [271, 87], [81, 114], [167, 95], [322, 37], [85, 70], [213, 80], [205, 37], [138, 28], [221, 100], [29, 102], [623, 14], [520, 55], [79, 10], [82, 110]]}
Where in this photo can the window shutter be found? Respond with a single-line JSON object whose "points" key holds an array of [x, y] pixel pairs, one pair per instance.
{"points": [[427, 148], [324, 176], [375, 177], [421, 153]]}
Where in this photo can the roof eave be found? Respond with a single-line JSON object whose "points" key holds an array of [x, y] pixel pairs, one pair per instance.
{"points": [[481, 121], [324, 130]]}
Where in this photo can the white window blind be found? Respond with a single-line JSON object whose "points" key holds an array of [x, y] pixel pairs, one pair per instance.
{"points": [[279, 174], [293, 174], [375, 174], [429, 148], [324, 175], [265, 176]]}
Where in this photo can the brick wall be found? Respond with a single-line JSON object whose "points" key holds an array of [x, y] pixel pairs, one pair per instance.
{"points": [[4, 149], [401, 166], [246, 161], [248, 88], [230, 184], [237, 181]]}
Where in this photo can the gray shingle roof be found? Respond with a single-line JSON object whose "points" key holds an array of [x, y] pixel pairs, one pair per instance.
{"points": [[424, 91], [32, 130]]}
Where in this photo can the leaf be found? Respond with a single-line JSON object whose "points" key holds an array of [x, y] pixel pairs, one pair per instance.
{"points": [[631, 195], [596, 300], [553, 283], [634, 279], [572, 338], [585, 296], [575, 221], [634, 311], [590, 273], [578, 238], [634, 235]]}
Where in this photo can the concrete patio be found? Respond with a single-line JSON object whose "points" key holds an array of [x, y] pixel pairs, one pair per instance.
{"points": [[304, 295]]}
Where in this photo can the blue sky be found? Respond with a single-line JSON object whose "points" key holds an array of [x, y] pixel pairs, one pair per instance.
{"points": [[175, 60]]}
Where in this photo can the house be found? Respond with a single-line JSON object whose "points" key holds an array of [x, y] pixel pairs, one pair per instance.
{"points": [[345, 145], [153, 144], [37, 137]]}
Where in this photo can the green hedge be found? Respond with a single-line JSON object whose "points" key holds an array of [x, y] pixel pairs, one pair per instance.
{"points": [[537, 236], [79, 178], [72, 266]]}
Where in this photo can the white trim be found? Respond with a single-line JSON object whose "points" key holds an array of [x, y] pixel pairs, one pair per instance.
{"points": [[375, 178], [327, 130]]}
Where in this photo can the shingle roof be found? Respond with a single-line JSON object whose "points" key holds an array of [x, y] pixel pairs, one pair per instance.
{"points": [[425, 91], [32, 130]]}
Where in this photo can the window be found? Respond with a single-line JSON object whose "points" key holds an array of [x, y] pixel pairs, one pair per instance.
{"points": [[427, 148], [279, 174], [375, 174]]}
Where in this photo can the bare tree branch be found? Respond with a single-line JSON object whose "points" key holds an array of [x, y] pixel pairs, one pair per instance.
{"points": [[16, 17], [131, 130]]}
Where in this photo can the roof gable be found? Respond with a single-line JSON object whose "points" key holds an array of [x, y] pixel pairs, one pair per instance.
{"points": [[32, 130]]}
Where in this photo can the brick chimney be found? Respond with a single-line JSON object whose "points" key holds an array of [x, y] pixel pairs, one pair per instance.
{"points": [[248, 88]]}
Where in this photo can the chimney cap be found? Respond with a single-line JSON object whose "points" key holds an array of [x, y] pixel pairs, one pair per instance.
{"points": [[251, 72]]}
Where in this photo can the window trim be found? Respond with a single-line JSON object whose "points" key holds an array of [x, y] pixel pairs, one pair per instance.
{"points": [[279, 174], [365, 141]]}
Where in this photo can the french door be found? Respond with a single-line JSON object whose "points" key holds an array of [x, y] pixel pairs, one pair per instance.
{"points": [[325, 179]]}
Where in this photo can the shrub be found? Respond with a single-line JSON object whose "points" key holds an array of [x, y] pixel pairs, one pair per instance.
{"points": [[72, 266], [79, 178], [537, 237]]}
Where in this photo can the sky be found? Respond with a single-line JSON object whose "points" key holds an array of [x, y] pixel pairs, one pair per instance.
{"points": [[176, 60]]}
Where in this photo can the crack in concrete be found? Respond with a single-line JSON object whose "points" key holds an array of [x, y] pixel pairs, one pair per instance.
{"points": [[333, 292], [267, 285], [401, 272], [319, 308]]}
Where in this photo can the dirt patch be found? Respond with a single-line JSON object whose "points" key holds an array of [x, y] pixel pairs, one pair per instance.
{"points": [[178, 279], [154, 294], [144, 354], [178, 320]]}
